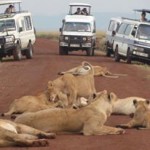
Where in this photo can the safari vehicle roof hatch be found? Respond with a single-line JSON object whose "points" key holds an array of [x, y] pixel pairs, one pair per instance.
{"points": [[82, 5]]}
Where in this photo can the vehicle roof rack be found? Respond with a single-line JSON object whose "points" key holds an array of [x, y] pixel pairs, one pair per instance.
{"points": [[80, 4], [5, 2]]}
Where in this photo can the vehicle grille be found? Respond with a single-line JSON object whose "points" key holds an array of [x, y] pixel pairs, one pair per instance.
{"points": [[2, 40], [75, 39]]}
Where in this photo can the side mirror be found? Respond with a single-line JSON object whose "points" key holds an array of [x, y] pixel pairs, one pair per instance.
{"points": [[60, 29], [94, 31], [133, 33], [20, 29], [113, 33]]}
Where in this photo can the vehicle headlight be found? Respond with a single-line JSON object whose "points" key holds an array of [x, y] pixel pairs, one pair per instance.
{"points": [[66, 38], [89, 39], [9, 39], [138, 49], [84, 38]]}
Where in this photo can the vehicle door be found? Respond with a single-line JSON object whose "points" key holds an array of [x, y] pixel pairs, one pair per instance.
{"points": [[26, 31], [112, 28], [127, 39], [119, 38], [21, 31]]}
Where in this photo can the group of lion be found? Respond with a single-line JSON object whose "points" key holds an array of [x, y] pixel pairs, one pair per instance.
{"points": [[70, 104]]}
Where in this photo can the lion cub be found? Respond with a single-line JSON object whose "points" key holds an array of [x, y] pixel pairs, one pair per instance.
{"points": [[141, 116]]}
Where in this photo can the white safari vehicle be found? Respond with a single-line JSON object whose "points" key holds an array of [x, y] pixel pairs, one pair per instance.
{"points": [[78, 31], [17, 34], [114, 24]]}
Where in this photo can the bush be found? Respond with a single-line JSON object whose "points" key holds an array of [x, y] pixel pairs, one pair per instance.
{"points": [[101, 38], [48, 35]]}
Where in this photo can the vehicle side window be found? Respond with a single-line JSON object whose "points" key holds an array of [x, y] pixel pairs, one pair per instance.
{"points": [[128, 29], [22, 25], [111, 26], [28, 23], [122, 28]]}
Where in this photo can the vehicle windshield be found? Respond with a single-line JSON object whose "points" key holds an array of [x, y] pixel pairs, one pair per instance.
{"points": [[7, 25], [143, 32], [77, 27]]}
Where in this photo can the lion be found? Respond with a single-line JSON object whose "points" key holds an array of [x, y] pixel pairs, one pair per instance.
{"points": [[124, 106], [15, 134], [74, 86], [34, 103], [98, 71], [88, 120], [141, 118]]}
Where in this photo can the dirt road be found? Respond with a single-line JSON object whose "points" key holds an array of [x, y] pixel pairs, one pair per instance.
{"points": [[31, 76]]}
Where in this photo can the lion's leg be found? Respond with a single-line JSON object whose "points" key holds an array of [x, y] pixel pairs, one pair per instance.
{"points": [[72, 98], [10, 112], [103, 130], [130, 124], [10, 138], [94, 126], [32, 131], [4, 143]]}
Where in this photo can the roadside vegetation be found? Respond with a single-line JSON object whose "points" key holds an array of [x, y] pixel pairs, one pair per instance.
{"points": [[55, 36]]}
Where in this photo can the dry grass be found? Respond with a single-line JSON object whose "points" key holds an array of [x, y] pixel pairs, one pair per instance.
{"points": [[48, 35], [55, 36], [101, 39]]}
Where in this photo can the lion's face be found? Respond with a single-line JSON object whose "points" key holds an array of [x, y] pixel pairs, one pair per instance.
{"points": [[105, 102], [53, 92], [141, 106]]}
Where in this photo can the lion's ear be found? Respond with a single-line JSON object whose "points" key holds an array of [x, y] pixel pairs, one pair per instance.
{"points": [[113, 96], [135, 102], [50, 84]]}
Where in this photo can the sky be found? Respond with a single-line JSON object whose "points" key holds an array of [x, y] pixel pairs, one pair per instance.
{"points": [[48, 14], [56, 7]]}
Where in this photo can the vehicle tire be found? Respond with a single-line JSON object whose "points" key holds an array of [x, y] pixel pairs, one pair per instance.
{"points": [[63, 51], [129, 57], [66, 51], [17, 52], [1, 58], [108, 54], [29, 51], [90, 51], [117, 56]]}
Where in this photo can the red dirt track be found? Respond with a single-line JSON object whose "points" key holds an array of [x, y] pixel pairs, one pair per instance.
{"points": [[29, 77]]}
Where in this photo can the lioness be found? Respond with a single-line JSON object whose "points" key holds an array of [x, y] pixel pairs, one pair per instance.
{"points": [[141, 116], [74, 86], [88, 120], [32, 103], [124, 106], [15, 134], [98, 71]]}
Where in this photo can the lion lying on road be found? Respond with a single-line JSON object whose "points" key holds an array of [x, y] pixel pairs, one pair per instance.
{"points": [[124, 106], [89, 119], [74, 86], [31, 104], [98, 71], [141, 116], [14, 134]]}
